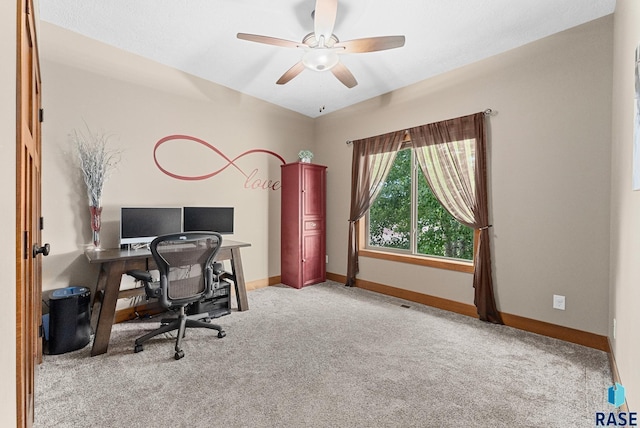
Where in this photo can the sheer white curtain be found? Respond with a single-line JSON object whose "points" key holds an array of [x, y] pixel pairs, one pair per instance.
{"points": [[372, 160], [452, 157]]}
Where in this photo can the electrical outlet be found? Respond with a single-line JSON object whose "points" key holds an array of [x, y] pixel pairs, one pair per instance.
{"points": [[558, 302]]}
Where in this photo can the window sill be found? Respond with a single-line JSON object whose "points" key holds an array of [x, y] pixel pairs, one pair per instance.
{"points": [[459, 266]]}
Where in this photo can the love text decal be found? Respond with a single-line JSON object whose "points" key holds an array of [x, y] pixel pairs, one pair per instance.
{"points": [[252, 179]]}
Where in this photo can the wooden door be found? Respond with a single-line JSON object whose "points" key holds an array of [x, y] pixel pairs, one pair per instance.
{"points": [[28, 220]]}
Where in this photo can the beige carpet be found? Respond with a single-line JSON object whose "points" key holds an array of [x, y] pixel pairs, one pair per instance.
{"points": [[328, 356]]}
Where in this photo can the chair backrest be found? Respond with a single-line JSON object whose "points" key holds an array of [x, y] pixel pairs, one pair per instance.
{"points": [[185, 261]]}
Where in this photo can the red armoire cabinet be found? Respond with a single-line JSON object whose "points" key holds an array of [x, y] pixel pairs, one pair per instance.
{"points": [[303, 227]]}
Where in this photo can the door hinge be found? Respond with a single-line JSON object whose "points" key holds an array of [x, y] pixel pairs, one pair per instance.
{"points": [[41, 331], [25, 245], [41, 223], [41, 115]]}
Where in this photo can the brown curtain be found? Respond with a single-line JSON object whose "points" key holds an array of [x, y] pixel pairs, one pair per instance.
{"points": [[452, 156], [372, 160]]}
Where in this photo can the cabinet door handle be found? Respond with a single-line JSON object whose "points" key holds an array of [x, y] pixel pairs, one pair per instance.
{"points": [[312, 224], [304, 260]]}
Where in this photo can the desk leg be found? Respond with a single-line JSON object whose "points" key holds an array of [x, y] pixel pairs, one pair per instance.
{"points": [[113, 276], [238, 275], [98, 297]]}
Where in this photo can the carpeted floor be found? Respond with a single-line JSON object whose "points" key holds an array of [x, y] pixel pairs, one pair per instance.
{"points": [[328, 356]]}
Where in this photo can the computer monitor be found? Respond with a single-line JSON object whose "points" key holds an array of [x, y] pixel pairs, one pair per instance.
{"points": [[143, 225], [213, 219]]}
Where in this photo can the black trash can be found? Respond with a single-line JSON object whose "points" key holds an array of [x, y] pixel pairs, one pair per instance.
{"points": [[69, 320]]}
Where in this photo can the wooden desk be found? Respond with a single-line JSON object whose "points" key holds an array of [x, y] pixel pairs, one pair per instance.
{"points": [[116, 262]]}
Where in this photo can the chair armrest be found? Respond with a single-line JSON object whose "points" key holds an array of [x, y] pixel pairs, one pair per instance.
{"points": [[140, 275], [218, 268]]}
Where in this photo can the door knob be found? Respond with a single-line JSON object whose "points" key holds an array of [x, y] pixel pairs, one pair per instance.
{"points": [[44, 250]]}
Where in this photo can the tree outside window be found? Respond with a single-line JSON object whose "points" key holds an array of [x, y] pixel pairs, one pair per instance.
{"points": [[406, 216]]}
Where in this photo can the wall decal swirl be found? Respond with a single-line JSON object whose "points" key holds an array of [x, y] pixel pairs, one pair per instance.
{"points": [[251, 182]]}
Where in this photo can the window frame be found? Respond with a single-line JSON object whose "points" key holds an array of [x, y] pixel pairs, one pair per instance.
{"points": [[410, 256]]}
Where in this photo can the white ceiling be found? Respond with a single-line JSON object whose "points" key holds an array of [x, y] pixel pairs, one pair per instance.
{"points": [[199, 37]]}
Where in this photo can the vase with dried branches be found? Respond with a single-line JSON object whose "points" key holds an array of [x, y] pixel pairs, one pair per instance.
{"points": [[96, 161]]}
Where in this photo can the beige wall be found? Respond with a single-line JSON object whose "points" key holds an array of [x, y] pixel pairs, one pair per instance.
{"points": [[8, 12], [549, 155], [625, 205], [139, 102]]}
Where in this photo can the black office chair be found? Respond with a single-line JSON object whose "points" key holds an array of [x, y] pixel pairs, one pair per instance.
{"points": [[188, 274]]}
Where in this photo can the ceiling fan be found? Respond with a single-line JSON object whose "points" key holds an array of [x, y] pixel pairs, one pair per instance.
{"points": [[322, 47]]}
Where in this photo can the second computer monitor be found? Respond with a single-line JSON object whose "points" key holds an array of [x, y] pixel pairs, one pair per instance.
{"points": [[214, 219]]}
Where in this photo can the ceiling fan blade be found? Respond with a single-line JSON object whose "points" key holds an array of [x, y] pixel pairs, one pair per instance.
{"points": [[268, 40], [291, 73], [344, 75], [324, 18], [371, 44]]}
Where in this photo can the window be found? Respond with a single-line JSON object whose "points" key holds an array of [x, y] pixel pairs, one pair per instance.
{"points": [[453, 155], [406, 218]]}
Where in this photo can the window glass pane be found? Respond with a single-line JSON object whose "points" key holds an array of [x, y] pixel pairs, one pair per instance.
{"points": [[439, 234], [390, 214]]}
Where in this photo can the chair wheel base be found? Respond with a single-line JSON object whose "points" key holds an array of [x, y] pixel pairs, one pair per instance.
{"points": [[138, 348], [179, 354], [221, 334]]}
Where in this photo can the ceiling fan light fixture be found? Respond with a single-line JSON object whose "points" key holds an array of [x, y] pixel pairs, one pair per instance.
{"points": [[320, 59], [322, 47]]}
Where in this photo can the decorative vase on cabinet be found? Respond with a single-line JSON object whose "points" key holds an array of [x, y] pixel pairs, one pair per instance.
{"points": [[303, 225]]}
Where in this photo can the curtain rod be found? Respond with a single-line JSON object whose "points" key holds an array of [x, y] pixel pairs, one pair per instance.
{"points": [[487, 112]]}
